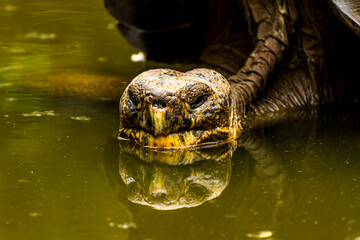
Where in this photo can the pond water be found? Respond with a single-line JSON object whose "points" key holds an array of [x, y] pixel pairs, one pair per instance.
{"points": [[64, 175]]}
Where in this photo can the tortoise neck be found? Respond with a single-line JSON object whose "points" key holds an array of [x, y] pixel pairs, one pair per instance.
{"points": [[285, 99]]}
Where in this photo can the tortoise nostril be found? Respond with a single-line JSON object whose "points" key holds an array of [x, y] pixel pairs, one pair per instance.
{"points": [[149, 99], [159, 104]]}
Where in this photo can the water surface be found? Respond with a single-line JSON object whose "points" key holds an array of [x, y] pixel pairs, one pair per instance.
{"points": [[64, 175]]}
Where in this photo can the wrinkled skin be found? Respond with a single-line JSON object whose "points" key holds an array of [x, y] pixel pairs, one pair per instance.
{"points": [[165, 108], [301, 59], [277, 59]]}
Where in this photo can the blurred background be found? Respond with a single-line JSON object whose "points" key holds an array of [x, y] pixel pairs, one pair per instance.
{"points": [[38, 37]]}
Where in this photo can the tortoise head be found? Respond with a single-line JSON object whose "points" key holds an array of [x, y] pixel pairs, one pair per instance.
{"points": [[165, 108]]}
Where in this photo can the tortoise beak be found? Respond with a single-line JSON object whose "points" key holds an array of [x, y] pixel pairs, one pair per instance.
{"points": [[162, 114], [158, 119]]}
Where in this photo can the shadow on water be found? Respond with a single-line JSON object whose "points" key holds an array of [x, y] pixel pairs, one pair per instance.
{"points": [[297, 180]]}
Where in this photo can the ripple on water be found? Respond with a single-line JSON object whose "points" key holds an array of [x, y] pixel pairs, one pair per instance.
{"points": [[260, 234], [81, 118], [41, 36], [49, 113]]}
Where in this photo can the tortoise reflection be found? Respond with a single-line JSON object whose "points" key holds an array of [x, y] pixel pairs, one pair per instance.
{"points": [[289, 181], [172, 179]]}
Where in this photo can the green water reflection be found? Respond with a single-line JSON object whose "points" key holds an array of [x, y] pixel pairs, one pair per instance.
{"points": [[293, 181], [65, 176]]}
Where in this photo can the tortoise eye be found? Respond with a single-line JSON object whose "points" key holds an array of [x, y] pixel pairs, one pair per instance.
{"points": [[199, 101], [197, 94], [133, 99]]}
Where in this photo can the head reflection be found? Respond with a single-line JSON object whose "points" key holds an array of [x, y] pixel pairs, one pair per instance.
{"points": [[172, 179]]}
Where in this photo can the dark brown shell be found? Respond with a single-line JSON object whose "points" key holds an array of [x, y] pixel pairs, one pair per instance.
{"points": [[349, 12]]}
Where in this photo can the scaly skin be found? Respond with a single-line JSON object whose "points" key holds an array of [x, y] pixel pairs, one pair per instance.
{"points": [[302, 58], [299, 61], [165, 108]]}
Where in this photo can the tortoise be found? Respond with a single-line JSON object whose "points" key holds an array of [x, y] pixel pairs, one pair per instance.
{"points": [[260, 62]]}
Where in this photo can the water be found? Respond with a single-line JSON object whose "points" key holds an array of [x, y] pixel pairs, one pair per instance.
{"points": [[63, 173]]}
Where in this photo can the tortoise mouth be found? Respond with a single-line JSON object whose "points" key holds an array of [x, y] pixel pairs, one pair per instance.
{"points": [[178, 140]]}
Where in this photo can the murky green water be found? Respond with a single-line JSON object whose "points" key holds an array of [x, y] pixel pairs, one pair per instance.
{"points": [[63, 173]]}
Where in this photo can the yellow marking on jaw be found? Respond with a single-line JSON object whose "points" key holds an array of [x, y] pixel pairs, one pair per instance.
{"points": [[174, 140], [158, 119]]}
